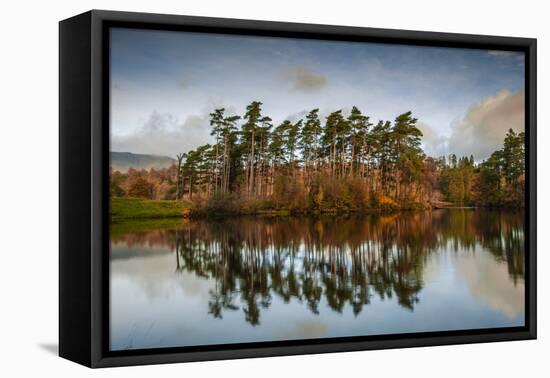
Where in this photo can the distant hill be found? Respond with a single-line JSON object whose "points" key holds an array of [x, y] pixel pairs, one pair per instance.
{"points": [[122, 161]]}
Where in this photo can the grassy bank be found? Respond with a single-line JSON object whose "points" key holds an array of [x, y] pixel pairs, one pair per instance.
{"points": [[127, 209], [139, 208]]}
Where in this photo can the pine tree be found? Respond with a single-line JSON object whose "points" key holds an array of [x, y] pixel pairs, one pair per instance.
{"points": [[252, 116]]}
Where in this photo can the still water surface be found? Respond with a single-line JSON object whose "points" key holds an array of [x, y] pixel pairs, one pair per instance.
{"points": [[183, 283]]}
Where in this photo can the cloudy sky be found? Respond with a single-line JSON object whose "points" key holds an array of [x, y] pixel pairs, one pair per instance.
{"points": [[164, 84]]}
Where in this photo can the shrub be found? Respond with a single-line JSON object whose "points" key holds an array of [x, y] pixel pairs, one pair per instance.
{"points": [[289, 193], [140, 187], [385, 203], [216, 205], [254, 206], [358, 194]]}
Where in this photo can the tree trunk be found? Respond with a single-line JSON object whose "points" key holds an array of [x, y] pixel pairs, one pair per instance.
{"points": [[251, 180], [224, 171], [259, 167], [216, 165]]}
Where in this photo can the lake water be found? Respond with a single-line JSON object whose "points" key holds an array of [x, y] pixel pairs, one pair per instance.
{"points": [[186, 282]]}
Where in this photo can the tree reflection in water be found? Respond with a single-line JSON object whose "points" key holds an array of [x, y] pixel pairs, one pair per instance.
{"points": [[343, 260]]}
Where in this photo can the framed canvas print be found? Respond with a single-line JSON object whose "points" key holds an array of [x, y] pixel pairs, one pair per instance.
{"points": [[233, 188]]}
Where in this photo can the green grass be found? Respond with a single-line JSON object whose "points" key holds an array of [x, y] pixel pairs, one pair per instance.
{"points": [[138, 208]]}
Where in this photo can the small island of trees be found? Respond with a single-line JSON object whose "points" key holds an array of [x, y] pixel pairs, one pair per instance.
{"points": [[342, 163]]}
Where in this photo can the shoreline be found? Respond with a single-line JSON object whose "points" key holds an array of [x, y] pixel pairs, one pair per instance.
{"points": [[136, 209]]}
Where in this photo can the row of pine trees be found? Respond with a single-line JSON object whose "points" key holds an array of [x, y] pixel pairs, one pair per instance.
{"points": [[314, 159], [249, 158]]}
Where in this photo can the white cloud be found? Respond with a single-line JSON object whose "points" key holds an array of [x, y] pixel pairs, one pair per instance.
{"points": [[434, 144], [162, 134], [484, 126]]}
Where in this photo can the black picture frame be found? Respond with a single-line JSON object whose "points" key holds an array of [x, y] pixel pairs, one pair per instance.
{"points": [[84, 195]]}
